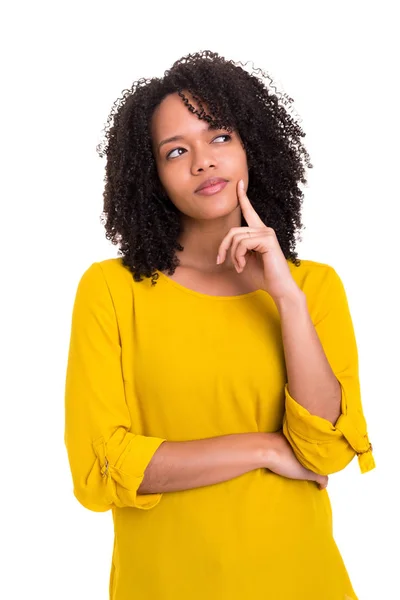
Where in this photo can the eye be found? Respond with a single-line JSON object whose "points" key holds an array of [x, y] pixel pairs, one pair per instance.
{"points": [[225, 135], [174, 150]]}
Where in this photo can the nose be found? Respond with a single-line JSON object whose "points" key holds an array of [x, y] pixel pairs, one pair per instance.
{"points": [[202, 160]]}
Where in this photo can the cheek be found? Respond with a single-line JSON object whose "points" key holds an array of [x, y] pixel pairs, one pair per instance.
{"points": [[174, 187], [242, 159], [176, 179], [167, 181], [171, 184], [236, 160]]}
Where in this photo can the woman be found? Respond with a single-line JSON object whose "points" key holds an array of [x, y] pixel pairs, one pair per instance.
{"points": [[212, 380]]}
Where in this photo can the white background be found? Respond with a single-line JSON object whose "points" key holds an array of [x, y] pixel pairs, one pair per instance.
{"points": [[63, 65]]}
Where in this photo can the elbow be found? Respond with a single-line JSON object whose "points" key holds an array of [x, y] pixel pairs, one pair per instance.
{"points": [[325, 448], [114, 481], [109, 489], [323, 463], [323, 458], [88, 486], [88, 502], [91, 490], [114, 472]]}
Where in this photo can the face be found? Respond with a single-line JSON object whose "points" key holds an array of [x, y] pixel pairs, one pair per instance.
{"points": [[199, 153]]}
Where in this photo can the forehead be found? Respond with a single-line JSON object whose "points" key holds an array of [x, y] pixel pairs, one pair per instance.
{"points": [[172, 116]]}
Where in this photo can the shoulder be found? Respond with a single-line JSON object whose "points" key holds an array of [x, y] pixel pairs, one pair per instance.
{"points": [[311, 274], [110, 278], [110, 271], [320, 282]]}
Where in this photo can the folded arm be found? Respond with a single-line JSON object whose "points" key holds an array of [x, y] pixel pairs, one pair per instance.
{"points": [[111, 465], [323, 420]]}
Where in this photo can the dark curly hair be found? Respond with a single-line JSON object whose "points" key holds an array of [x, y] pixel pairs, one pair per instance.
{"points": [[139, 215]]}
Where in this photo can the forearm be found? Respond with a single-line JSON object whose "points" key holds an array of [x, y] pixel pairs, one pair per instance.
{"points": [[311, 381], [178, 466]]}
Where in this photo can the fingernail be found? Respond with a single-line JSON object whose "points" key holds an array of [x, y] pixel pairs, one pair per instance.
{"points": [[218, 259]]}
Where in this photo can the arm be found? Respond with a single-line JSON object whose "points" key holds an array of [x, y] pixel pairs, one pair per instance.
{"points": [[180, 466], [311, 379], [324, 421], [108, 460]]}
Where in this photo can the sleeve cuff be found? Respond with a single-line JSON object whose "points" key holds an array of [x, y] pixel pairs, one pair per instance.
{"points": [[315, 429], [124, 474], [358, 441]]}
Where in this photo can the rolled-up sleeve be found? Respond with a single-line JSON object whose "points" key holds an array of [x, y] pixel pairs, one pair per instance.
{"points": [[318, 444], [107, 459]]}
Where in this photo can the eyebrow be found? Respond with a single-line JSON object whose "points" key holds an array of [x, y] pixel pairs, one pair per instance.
{"points": [[176, 138]]}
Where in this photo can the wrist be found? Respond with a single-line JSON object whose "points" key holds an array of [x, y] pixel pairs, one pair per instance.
{"points": [[266, 449], [296, 298]]}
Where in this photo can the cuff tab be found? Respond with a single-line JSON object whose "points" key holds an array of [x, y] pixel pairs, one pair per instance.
{"points": [[359, 442], [366, 460]]}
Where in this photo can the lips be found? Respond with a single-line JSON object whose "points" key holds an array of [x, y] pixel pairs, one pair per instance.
{"points": [[210, 182]]}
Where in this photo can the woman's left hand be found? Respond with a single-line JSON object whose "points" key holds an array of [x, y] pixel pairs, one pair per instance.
{"points": [[275, 274]]}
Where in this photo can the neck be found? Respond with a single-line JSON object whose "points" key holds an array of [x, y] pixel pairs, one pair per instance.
{"points": [[201, 240]]}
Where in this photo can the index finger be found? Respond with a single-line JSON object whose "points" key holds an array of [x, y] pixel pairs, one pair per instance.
{"points": [[252, 218]]}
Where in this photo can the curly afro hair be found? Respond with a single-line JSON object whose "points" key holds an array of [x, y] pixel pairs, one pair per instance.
{"points": [[140, 217]]}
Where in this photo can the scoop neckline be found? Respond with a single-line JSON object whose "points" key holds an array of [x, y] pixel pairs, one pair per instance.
{"points": [[187, 290]]}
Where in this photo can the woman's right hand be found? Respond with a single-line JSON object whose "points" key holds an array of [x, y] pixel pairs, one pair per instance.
{"points": [[281, 459]]}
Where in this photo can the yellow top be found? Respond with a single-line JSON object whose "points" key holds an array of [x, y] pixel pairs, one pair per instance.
{"points": [[153, 363]]}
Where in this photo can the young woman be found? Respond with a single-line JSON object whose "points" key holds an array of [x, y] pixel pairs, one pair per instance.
{"points": [[212, 381]]}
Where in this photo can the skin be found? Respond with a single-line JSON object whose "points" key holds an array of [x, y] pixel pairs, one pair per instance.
{"points": [[207, 220], [201, 154]]}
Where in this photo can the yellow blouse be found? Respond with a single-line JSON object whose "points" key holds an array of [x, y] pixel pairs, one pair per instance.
{"points": [[149, 363]]}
